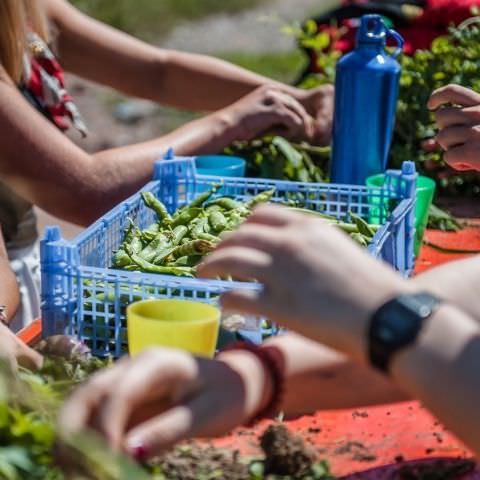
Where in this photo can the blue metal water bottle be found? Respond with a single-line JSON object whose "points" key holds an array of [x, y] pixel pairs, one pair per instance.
{"points": [[366, 94]]}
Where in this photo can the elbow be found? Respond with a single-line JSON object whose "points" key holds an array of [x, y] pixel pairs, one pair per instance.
{"points": [[83, 214]]}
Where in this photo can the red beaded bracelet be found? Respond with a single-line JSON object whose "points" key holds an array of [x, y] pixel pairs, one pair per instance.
{"points": [[271, 360]]}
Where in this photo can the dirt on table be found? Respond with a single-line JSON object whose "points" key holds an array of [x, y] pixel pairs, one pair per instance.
{"points": [[285, 455], [191, 462]]}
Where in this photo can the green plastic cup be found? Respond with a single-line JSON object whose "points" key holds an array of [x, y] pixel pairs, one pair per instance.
{"points": [[425, 193]]}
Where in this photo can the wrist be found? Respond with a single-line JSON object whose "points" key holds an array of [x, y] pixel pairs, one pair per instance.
{"points": [[256, 379], [228, 126], [444, 336], [361, 315]]}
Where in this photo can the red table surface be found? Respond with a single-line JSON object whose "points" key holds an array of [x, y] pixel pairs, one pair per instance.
{"points": [[374, 440], [368, 443]]}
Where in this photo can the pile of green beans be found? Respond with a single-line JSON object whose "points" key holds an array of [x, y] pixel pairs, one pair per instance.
{"points": [[358, 229], [175, 244]]}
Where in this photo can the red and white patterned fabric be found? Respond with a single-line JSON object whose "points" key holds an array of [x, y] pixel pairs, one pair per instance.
{"points": [[44, 80]]}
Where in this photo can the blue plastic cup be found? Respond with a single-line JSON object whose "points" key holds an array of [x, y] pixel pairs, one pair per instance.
{"points": [[220, 165]]}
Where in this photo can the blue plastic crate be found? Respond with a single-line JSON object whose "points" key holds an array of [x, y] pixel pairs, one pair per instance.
{"points": [[83, 296]]}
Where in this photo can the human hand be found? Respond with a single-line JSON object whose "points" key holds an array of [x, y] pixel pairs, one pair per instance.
{"points": [[269, 110], [17, 352], [319, 103], [316, 280], [457, 111], [146, 404]]}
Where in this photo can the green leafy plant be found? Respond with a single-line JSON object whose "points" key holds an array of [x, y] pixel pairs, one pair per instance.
{"points": [[453, 58], [275, 157]]}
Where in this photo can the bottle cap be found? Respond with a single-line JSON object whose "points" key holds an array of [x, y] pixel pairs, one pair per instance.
{"points": [[372, 31]]}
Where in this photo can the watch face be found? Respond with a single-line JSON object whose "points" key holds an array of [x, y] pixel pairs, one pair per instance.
{"points": [[398, 325]]}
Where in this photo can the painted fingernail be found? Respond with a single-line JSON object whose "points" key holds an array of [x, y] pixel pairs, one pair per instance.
{"points": [[138, 450]]}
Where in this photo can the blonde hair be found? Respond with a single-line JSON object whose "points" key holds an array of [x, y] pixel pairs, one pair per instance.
{"points": [[16, 17]]}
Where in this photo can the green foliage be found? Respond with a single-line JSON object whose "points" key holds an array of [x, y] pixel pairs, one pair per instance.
{"points": [[275, 157], [454, 58], [441, 220], [148, 18]]}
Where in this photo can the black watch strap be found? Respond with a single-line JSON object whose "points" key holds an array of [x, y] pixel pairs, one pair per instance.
{"points": [[396, 325]]}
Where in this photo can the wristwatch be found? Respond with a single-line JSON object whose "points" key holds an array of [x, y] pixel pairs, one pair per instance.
{"points": [[396, 325]]}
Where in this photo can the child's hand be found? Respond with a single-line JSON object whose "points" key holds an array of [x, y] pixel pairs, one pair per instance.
{"points": [[457, 110]]}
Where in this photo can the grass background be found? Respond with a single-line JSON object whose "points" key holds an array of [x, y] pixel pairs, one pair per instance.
{"points": [[148, 18], [151, 19]]}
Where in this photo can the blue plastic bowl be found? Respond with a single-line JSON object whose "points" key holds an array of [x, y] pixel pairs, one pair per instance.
{"points": [[220, 165]]}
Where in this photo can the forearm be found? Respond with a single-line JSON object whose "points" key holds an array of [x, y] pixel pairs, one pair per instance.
{"points": [[200, 82], [338, 382], [9, 294], [441, 369], [456, 282], [184, 80], [85, 187]]}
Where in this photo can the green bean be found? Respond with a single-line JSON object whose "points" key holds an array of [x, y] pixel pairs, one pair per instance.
{"points": [[262, 197], [129, 231], [226, 203], [234, 221], [213, 208], [360, 239], [185, 240], [162, 255], [121, 259], [157, 206], [151, 232], [187, 261], [363, 227], [153, 228], [217, 221], [209, 238], [195, 247], [151, 268], [202, 198], [346, 227], [206, 227], [178, 234], [151, 250], [199, 227], [136, 243], [148, 236], [186, 217]]}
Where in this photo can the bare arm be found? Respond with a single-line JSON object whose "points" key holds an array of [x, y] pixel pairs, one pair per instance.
{"points": [[9, 294], [46, 168], [442, 371], [456, 282], [184, 80], [341, 383], [341, 290]]}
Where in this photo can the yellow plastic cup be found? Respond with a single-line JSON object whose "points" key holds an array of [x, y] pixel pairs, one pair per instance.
{"points": [[191, 326]]}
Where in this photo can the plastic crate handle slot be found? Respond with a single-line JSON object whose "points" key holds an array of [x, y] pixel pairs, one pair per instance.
{"points": [[57, 258]]}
